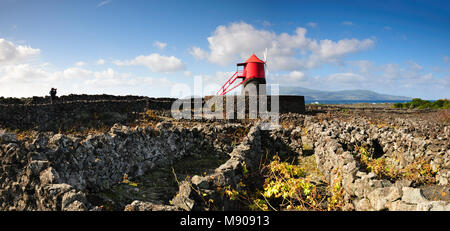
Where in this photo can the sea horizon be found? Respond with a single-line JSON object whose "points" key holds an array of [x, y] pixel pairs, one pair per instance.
{"points": [[356, 101]]}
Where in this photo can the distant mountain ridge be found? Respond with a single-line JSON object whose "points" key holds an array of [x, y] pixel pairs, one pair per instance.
{"points": [[338, 95]]}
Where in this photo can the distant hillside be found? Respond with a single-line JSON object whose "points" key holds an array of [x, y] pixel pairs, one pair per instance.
{"points": [[338, 95]]}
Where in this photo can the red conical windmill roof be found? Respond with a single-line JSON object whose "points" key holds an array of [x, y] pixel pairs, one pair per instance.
{"points": [[254, 59]]}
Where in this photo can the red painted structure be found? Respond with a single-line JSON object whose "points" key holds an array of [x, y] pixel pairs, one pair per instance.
{"points": [[253, 69]]}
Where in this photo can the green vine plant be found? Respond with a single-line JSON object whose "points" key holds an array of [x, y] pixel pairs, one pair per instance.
{"points": [[336, 201], [419, 171], [285, 186], [278, 185]]}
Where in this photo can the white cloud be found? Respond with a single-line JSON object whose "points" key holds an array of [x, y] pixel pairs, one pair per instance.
{"points": [[25, 73], [446, 59], [297, 75], [11, 53], [198, 53], [345, 78], [74, 73], [293, 78], [80, 64], [390, 71], [238, 41], [331, 82], [410, 71], [104, 3], [266, 23], [387, 28], [408, 79], [160, 45], [330, 51], [414, 66], [155, 62], [25, 80], [363, 66], [312, 24], [427, 77], [101, 62], [21, 79]]}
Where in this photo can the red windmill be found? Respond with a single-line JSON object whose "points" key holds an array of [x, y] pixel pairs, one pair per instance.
{"points": [[251, 72]]}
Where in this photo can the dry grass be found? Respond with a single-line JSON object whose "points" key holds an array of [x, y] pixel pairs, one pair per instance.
{"points": [[443, 116]]}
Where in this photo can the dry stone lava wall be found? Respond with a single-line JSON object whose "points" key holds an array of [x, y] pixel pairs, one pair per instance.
{"points": [[75, 111], [334, 142], [55, 172]]}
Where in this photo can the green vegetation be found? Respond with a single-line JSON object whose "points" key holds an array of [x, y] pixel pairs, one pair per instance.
{"points": [[419, 171], [308, 149], [289, 184], [423, 104]]}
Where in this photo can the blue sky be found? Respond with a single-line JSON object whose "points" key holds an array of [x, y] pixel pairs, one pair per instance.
{"points": [[148, 47]]}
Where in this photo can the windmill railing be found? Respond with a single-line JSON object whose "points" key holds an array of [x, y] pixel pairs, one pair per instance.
{"points": [[227, 87]]}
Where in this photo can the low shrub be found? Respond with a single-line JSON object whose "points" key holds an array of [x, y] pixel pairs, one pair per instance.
{"points": [[418, 103], [419, 171]]}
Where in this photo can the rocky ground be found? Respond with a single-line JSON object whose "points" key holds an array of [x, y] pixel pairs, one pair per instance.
{"points": [[381, 159]]}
